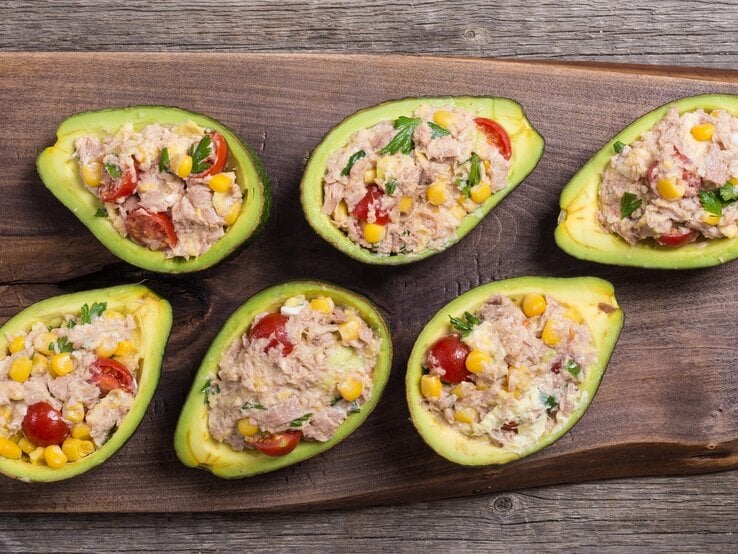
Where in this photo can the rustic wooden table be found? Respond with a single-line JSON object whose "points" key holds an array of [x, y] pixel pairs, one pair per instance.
{"points": [[671, 514]]}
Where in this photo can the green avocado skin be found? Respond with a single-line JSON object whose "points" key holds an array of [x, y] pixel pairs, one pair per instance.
{"points": [[156, 322], [579, 233], [585, 294], [527, 150], [192, 441], [58, 171]]}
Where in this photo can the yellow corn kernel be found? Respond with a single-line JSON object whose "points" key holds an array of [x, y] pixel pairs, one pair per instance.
{"points": [[37, 455], [349, 330], [444, 118], [233, 213], [16, 437], [405, 204], [20, 370], [370, 175], [91, 174], [74, 413], [518, 381], [124, 348], [430, 386], [458, 211], [106, 348], [113, 314], [574, 315], [71, 449], [733, 180], [482, 386], [40, 364], [8, 449], [711, 219], [54, 456], [458, 391], [479, 193], [465, 415], [81, 431], [6, 413], [43, 342], [703, 131], [17, 344], [350, 389], [374, 233], [86, 448], [533, 304], [220, 182], [184, 167], [322, 304], [669, 189], [62, 364], [476, 361], [246, 427], [340, 213], [549, 335], [730, 231], [437, 193], [26, 446], [487, 164]]}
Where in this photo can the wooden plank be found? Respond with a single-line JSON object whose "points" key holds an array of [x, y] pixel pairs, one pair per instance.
{"points": [[669, 425]]}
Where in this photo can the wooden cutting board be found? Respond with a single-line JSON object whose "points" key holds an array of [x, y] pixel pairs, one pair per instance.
{"points": [[668, 403]]}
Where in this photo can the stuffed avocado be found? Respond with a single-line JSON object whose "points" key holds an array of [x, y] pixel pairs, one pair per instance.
{"points": [[163, 188], [76, 375], [400, 181], [292, 373], [509, 367], [663, 193]]}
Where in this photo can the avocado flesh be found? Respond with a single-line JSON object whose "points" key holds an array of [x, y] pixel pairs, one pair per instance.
{"points": [[60, 173], [527, 149], [581, 235], [583, 294], [153, 316], [192, 441]]}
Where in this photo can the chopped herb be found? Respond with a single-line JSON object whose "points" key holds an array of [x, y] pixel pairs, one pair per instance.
{"points": [[403, 249], [728, 192], [71, 323], [403, 140], [205, 388], [164, 160], [336, 400], [711, 201], [355, 408], [355, 157], [628, 204], [199, 153], [475, 171], [618, 146], [96, 310], [113, 170], [252, 406], [300, 421], [466, 324], [390, 186], [437, 131], [463, 185], [550, 402], [62, 345], [101, 212], [573, 368]]}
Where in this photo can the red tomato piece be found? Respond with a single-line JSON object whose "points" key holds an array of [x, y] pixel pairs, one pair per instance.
{"points": [[278, 444], [153, 230], [218, 155], [449, 353], [676, 239], [371, 199], [109, 375], [496, 135], [272, 326], [43, 425], [114, 188]]}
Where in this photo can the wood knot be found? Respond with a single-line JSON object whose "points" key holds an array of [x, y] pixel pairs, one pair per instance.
{"points": [[502, 504], [469, 34]]}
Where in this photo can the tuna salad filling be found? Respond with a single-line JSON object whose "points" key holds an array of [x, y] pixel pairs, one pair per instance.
{"points": [[677, 183], [167, 188], [511, 372], [66, 385], [404, 186], [298, 373]]}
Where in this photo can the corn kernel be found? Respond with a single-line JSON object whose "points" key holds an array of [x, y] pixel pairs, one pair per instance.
{"points": [[479, 193], [340, 213], [113, 314], [350, 389], [26, 446], [124, 348], [16, 437], [733, 180], [106, 348], [246, 427], [487, 164], [220, 182], [730, 231], [482, 386], [40, 364], [322, 304], [8, 449], [444, 118], [549, 335], [518, 381], [37, 455], [711, 219], [74, 413], [370, 175], [437, 193], [374, 233], [91, 174], [70, 448], [533, 304], [458, 211], [184, 167], [81, 431], [20, 370], [405, 204], [62, 364], [349, 330], [86, 448], [42, 343], [669, 189], [458, 391], [54, 456], [232, 215], [703, 131], [430, 386], [476, 361], [574, 315], [465, 415], [17, 344]]}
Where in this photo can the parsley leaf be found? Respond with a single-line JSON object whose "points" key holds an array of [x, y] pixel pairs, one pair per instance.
{"points": [[113, 170], [336, 400], [164, 160], [618, 146], [355, 157], [711, 201], [62, 345], [390, 187], [475, 171], [464, 186], [252, 406], [355, 408], [96, 310], [628, 204], [205, 387], [466, 324], [403, 140], [437, 131], [199, 153], [550, 402], [573, 368], [71, 323], [728, 192], [101, 212], [300, 421]]}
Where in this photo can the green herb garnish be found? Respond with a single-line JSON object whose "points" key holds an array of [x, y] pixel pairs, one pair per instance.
{"points": [[71, 323], [437, 131], [711, 201], [618, 146], [403, 140], [336, 400], [550, 402], [355, 157], [62, 345], [475, 171], [728, 192], [101, 212], [199, 153], [355, 408], [164, 160], [390, 187], [573, 368], [113, 170], [300, 421], [252, 406], [466, 324], [628, 204], [96, 310], [205, 387]]}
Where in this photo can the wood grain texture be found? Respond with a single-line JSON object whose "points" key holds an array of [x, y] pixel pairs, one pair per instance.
{"points": [[643, 421]]}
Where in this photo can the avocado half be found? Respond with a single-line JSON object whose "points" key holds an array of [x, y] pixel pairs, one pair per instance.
{"points": [[591, 297], [581, 235], [59, 172], [154, 317], [527, 149], [192, 441]]}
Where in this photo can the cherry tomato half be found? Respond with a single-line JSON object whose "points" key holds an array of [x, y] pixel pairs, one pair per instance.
{"points": [[371, 200], [272, 326], [153, 230], [278, 444], [113, 188], [496, 135], [449, 353], [218, 155], [676, 239], [109, 375], [43, 425]]}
